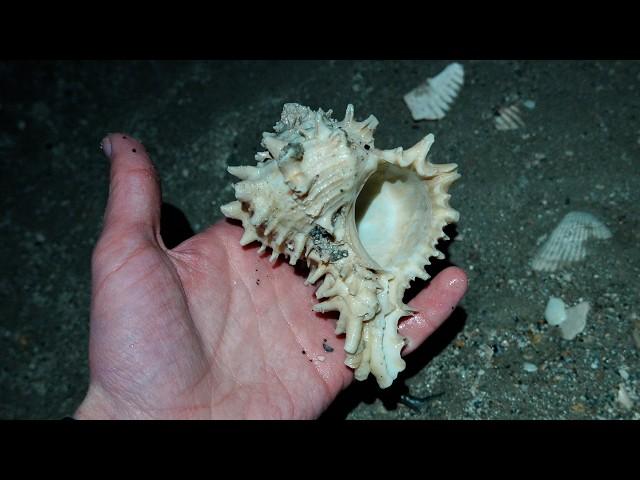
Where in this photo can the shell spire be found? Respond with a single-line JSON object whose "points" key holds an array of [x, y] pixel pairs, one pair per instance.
{"points": [[365, 221]]}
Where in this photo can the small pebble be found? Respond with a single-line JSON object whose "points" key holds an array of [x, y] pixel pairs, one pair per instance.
{"points": [[578, 408], [623, 398], [529, 367], [327, 348], [623, 373], [321, 358], [530, 104], [636, 335]]}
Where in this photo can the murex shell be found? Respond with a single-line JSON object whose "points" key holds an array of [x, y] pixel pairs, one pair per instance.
{"points": [[366, 220]]}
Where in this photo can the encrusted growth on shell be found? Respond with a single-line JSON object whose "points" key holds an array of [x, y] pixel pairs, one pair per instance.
{"points": [[365, 220]]}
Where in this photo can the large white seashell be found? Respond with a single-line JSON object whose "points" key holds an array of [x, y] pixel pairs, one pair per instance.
{"points": [[566, 243], [432, 99], [365, 220]]}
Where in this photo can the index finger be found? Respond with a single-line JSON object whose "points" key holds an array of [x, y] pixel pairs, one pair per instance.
{"points": [[434, 304]]}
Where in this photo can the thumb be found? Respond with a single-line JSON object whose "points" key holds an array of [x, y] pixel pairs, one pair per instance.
{"points": [[133, 208]]}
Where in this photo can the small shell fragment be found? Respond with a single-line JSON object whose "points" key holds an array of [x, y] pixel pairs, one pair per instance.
{"points": [[623, 373], [432, 99], [623, 397], [576, 321], [508, 118], [572, 321], [566, 242], [636, 334], [555, 313]]}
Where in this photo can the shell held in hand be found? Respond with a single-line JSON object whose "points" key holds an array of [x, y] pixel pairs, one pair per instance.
{"points": [[365, 220]]}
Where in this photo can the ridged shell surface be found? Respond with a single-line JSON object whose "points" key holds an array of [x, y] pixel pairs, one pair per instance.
{"points": [[566, 244], [508, 118], [366, 221], [432, 99]]}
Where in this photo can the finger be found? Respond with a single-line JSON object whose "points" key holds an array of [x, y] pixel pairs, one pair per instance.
{"points": [[434, 305], [133, 208]]}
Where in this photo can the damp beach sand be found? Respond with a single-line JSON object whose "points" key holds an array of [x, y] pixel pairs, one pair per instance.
{"points": [[578, 149]]}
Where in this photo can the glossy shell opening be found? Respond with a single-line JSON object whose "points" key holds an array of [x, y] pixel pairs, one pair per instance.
{"points": [[391, 215]]}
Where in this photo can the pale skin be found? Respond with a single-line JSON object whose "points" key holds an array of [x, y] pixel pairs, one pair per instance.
{"points": [[210, 329]]}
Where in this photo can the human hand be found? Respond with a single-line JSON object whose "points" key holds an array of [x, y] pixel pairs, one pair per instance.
{"points": [[210, 329]]}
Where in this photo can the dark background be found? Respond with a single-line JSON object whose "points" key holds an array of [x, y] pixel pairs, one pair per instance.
{"points": [[579, 150]]}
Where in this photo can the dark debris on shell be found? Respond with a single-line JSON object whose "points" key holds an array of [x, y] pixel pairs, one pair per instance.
{"points": [[323, 242]]}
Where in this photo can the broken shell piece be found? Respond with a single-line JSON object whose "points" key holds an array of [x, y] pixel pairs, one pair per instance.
{"points": [[556, 312], [571, 321], [365, 220], [508, 118], [432, 99], [636, 334], [566, 243], [623, 397], [576, 321]]}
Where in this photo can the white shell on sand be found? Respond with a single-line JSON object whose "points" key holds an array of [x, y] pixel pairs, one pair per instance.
{"points": [[623, 397], [636, 334], [576, 320], [508, 118], [555, 313], [366, 221], [432, 99], [566, 243], [572, 321]]}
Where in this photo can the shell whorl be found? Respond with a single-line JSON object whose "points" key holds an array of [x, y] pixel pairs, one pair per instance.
{"points": [[365, 220]]}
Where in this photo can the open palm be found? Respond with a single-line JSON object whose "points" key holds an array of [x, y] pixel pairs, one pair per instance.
{"points": [[210, 329]]}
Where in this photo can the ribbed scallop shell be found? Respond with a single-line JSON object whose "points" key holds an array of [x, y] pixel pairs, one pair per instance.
{"points": [[365, 220], [566, 242], [508, 118], [432, 99]]}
